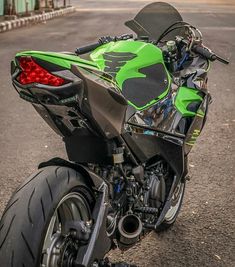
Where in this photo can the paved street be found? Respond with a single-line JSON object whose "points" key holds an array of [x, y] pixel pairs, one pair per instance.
{"points": [[204, 234]]}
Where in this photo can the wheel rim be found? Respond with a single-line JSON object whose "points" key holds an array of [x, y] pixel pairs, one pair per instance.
{"points": [[58, 246], [175, 203]]}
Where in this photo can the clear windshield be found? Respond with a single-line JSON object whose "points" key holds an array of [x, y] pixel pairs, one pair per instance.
{"points": [[154, 19]]}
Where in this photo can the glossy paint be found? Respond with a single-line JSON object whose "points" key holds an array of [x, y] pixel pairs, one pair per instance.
{"points": [[144, 55], [184, 97]]}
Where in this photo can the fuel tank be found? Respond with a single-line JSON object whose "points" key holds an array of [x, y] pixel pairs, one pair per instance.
{"points": [[137, 68]]}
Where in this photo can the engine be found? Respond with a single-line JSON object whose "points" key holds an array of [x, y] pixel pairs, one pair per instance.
{"points": [[136, 202]]}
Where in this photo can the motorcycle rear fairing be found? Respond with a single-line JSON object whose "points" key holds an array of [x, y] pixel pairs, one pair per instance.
{"points": [[87, 91]]}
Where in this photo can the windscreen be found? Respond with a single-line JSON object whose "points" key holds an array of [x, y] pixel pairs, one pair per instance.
{"points": [[154, 19]]}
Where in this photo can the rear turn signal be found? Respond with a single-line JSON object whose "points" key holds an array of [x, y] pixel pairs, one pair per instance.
{"points": [[33, 73]]}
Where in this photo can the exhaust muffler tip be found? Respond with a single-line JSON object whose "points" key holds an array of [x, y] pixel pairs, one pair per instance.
{"points": [[130, 228]]}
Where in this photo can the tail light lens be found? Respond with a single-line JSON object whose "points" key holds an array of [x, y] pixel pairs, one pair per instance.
{"points": [[33, 73]]}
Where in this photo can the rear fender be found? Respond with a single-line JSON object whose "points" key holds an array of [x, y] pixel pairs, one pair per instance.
{"points": [[93, 180], [99, 243]]}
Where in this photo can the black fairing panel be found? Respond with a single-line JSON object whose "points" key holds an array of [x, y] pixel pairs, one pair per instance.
{"points": [[140, 91], [102, 104], [145, 147], [83, 147]]}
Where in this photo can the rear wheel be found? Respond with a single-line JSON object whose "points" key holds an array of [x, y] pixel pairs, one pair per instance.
{"points": [[34, 229], [174, 210]]}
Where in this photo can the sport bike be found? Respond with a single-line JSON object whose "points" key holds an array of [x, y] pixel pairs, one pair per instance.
{"points": [[128, 116]]}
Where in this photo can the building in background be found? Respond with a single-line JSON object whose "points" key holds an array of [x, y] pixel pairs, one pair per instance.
{"points": [[61, 3], [25, 7], [1, 7], [13, 7]]}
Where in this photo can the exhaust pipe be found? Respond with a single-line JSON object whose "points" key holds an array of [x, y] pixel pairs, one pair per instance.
{"points": [[130, 227]]}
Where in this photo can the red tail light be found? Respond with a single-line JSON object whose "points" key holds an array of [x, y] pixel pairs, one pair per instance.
{"points": [[33, 73]]}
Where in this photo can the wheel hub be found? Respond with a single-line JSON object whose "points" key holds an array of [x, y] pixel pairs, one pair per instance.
{"points": [[61, 242], [63, 252], [68, 253]]}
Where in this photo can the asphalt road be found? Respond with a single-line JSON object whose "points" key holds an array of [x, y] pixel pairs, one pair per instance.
{"points": [[204, 234]]}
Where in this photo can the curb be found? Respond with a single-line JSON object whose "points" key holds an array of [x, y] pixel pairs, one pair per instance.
{"points": [[18, 23]]}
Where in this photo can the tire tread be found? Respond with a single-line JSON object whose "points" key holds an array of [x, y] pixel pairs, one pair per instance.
{"points": [[29, 203], [8, 231], [36, 198], [29, 181], [28, 246]]}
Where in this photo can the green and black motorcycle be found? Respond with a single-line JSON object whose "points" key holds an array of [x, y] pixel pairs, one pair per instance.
{"points": [[129, 117]]}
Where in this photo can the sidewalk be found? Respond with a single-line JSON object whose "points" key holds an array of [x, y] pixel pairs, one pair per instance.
{"points": [[21, 22]]}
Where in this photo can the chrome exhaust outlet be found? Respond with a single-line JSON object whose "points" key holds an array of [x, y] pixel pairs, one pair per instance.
{"points": [[130, 227]]}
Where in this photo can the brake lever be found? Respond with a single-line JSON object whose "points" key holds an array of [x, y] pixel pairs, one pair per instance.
{"points": [[125, 37], [106, 39]]}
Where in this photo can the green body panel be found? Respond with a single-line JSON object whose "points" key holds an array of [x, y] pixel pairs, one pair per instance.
{"points": [[60, 59], [184, 97], [147, 54]]}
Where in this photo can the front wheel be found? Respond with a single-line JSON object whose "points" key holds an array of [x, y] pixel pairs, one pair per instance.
{"points": [[174, 210], [34, 228]]}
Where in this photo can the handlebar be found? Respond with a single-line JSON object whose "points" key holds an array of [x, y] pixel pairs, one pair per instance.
{"points": [[87, 48], [102, 40], [198, 49], [205, 52], [208, 54]]}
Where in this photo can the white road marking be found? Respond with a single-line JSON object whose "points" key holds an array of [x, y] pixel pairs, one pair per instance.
{"points": [[189, 10], [218, 28]]}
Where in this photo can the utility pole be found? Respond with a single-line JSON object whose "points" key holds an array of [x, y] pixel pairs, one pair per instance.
{"points": [[64, 3]]}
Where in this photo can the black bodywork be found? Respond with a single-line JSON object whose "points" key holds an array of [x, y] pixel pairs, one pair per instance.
{"points": [[94, 118]]}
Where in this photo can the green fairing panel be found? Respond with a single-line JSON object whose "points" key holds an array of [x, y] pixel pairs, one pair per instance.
{"points": [[136, 67], [184, 97], [60, 59]]}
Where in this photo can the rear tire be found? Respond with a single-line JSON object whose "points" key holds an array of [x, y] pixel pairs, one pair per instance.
{"points": [[26, 219]]}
